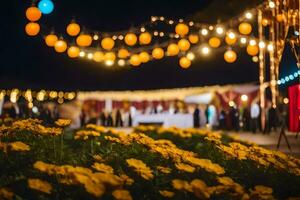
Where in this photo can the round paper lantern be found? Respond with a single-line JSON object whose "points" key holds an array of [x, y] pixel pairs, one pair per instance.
{"points": [[252, 50], [194, 39], [73, 52], [173, 50], [46, 6], [33, 14], [230, 41], [51, 40], [123, 53], [60, 46], [184, 44], [107, 43], [245, 28], [84, 40], [184, 62], [182, 29], [135, 60], [32, 29], [265, 22], [144, 57], [214, 42], [130, 39], [158, 53], [145, 38], [98, 56], [110, 56], [73, 29], [230, 56]]}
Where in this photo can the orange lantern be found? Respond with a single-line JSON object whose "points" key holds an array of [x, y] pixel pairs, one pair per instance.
{"points": [[184, 62], [84, 40], [230, 56], [194, 39], [265, 22], [144, 57], [252, 50], [145, 38], [130, 39], [214, 42], [33, 14], [173, 50], [107, 43], [158, 53], [98, 56], [73, 29], [73, 52], [245, 28], [182, 29], [184, 44], [110, 56], [123, 53], [32, 29], [60, 46], [51, 40], [135, 60]]}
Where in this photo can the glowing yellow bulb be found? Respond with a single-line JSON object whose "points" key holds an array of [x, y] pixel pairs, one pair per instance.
{"points": [[286, 100], [121, 62], [271, 4], [248, 15], [220, 30], [82, 54], [190, 56], [244, 98], [270, 47], [243, 40], [90, 56], [231, 35], [262, 44], [252, 42], [204, 32], [205, 50], [231, 103], [96, 37], [109, 63]]}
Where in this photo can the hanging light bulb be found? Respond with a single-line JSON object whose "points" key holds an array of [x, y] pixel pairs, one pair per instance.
{"points": [[270, 47], [109, 63], [262, 44], [252, 42], [220, 30], [205, 50], [204, 32], [90, 56], [231, 35], [96, 37], [190, 56], [82, 54], [248, 15], [271, 4], [243, 40], [121, 62]]}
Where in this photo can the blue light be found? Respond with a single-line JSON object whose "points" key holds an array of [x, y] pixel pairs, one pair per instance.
{"points": [[287, 78], [295, 74], [46, 6], [291, 77], [282, 81], [297, 33], [299, 72]]}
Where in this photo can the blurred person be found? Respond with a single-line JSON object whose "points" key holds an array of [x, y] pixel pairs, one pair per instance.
{"points": [[254, 115]]}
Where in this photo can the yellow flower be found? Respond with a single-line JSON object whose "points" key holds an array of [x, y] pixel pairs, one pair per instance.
{"points": [[166, 193], [103, 168], [6, 194], [86, 134], [39, 185], [126, 179], [205, 164], [140, 168], [185, 167], [63, 122], [164, 170], [181, 185], [200, 189], [19, 146], [121, 195], [262, 192], [96, 189], [98, 158]]}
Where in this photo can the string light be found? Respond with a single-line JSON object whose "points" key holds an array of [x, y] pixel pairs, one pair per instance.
{"points": [[121, 62], [262, 44], [271, 4], [231, 35], [288, 78], [191, 56], [82, 54], [243, 40], [90, 56], [96, 37], [109, 63], [252, 42], [244, 98], [270, 47], [248, 15], [204, 32], [205, 50], [219, 30]]}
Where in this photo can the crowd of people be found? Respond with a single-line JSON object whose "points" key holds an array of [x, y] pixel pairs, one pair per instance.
{"points": [[244, 118]]}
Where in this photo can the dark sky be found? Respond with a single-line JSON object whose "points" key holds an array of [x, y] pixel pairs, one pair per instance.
{"points": [[28, 63]]}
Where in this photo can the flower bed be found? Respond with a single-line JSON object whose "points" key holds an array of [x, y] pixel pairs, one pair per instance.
{"points": [[39, 162]]}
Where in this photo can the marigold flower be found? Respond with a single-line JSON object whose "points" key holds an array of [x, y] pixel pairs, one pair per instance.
{"points": [[122, 195], [166, 193], [39, 185]]}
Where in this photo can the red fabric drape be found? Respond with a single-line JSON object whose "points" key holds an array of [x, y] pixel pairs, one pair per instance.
{"points": [[294, 108]]}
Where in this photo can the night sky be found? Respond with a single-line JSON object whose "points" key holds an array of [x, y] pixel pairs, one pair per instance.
{"points": [[27, 62]]}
